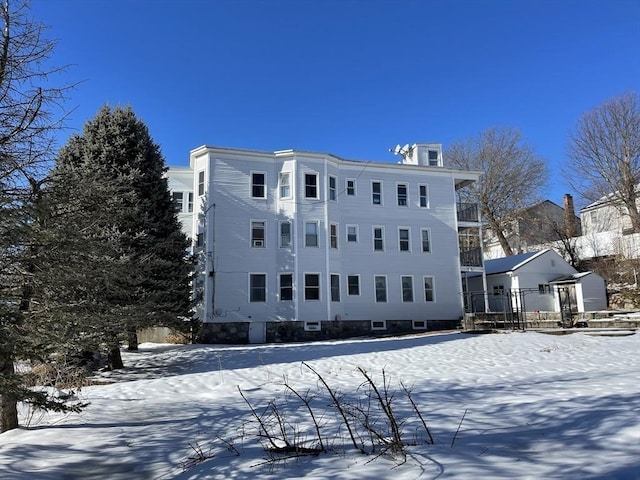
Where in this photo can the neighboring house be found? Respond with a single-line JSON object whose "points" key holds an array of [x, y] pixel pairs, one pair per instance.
{"points": [[180, 181], [538, 224], [537, 281], [605, 215], [607, 231], [301, 245]]}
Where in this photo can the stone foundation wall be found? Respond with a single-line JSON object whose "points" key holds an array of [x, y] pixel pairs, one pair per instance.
{"points": [[232, 333], [283, 332]]}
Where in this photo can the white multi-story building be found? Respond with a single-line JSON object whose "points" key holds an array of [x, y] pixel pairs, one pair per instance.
{"points": [[180, 182], [300, 245]]}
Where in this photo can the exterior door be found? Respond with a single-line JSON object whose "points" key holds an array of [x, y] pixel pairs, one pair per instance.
{"points": [[257, 332]]}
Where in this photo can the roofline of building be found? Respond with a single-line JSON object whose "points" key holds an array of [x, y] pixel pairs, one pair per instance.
{"points": [[468, 175]]}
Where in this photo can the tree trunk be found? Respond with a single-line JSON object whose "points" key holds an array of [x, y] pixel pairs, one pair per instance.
{"points": [[8, 402], [133, 339], [635, 218], [496, 227], [114, 359]]}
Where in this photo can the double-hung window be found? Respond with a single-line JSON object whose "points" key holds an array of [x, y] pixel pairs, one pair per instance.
{"points": [[201, 183], [378, 239], [428, 289], [286, 287], [380, 282], [335, 288], [402, 194], [258, 185], [257, 287], [407, 288], [311, 185], [353, 284], [258, 234], [376, 193], [190, 203], [285, 185], [312, 286], [426, 241], [311, 234], [433, 158], [285, 234], [352, 233], [403, 239], [333, 235], [351, 187], [178, 200], [423, 193], [333, 194]]}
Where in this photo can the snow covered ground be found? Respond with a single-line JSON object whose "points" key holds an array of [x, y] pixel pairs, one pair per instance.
{"points": [[527, 405]]}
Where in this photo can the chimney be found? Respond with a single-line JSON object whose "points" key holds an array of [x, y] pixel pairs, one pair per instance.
{"points": [[569, 217]]}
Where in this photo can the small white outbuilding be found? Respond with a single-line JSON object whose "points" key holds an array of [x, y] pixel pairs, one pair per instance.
{"points": [[539, 281]]}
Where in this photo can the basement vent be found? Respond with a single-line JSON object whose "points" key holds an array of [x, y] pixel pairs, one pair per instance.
{"points": [[312, 326], [379, 325]]}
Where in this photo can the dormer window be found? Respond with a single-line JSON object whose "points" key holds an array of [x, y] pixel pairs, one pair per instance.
{"points": [[433, 158]]}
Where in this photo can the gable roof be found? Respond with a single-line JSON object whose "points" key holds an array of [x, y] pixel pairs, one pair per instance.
{"points": [[510, 263]]}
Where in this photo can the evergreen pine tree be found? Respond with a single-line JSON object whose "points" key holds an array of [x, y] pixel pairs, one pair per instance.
{"points": [[115, 213]]}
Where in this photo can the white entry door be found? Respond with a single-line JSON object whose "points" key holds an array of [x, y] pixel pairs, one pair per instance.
{"points": [[257, 332]]}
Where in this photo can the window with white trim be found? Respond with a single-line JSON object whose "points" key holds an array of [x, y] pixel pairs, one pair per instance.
{"points": [[423, 193], [544, 288], [333, 235], [376, 193], [428, 289], [311, 234], [403, 240], [379, 325], [378, 239], [201, 183], [353, 284], [380, 282], [312, 286], [333, 194], [190, 203], [433, 158], [351, 187], [419, 324], [401, 189], [312, 326], [352, 233], [335, 287], [285, 184], [407, 288], [258, 185], [498, 289], [286, 287], [178, 198], [425, 237], [257, 287], [285, 234], [311, 185], [258, 236]]}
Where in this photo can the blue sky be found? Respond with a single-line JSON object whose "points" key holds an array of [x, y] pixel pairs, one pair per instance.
{"points": [[350, 77]]}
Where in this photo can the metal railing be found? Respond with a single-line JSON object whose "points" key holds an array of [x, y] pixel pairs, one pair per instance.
{"points": [[471, 257], [467, 212]]}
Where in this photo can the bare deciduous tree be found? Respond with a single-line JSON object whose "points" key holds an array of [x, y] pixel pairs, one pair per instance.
{"points": [[604, 155], [513, 176], [30, 112]]}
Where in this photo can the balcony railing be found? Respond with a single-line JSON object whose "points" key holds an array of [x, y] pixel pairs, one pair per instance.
{"points": [[467, 212], [471, 257]]}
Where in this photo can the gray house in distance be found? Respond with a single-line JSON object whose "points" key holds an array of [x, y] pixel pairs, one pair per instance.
{"points": [[539, 281]]}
